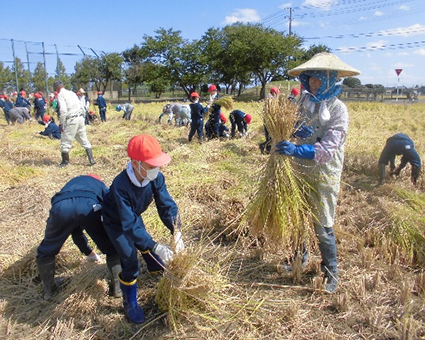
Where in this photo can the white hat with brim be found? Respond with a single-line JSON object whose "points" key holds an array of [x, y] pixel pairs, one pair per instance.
{"points": [[325, 61], [81, 90]]}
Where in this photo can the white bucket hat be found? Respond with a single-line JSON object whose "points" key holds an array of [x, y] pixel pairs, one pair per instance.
{"points": [[325, 61]]}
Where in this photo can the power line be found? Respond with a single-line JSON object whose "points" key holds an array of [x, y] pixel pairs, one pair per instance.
{"points": [[401, 46]]}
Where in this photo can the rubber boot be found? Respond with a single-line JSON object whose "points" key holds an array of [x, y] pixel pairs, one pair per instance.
{"points": [[46, 269], [153, 262], [90, 156], [331, 282], [65, 159], [114, 265], [131, 307]]}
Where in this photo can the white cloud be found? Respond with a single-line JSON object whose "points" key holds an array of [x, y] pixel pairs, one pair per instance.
{"points": [[416, 29], [242, 15], [403, 65], [325, 4], [379, 13], [421, 51], [403, 53], [376, 44], [363, 18], [287, 5], [404, 8]]}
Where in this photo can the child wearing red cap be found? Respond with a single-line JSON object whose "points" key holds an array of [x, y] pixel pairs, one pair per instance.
{"points": [[197, 112], [131, 193], [241, 120], [51, 129]]}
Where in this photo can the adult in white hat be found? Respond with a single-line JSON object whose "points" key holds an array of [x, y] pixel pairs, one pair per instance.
{"points": [[321, 152]]}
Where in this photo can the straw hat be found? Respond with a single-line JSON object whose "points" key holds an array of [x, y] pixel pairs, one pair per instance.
{"points": [[325, 61]]}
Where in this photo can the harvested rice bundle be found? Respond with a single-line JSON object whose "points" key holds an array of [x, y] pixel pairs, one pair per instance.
{"points": [[192, 287], [226, 102], [279, 213]]}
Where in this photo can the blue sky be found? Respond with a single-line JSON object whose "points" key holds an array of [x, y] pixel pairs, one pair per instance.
{"points": [[374, 36]]}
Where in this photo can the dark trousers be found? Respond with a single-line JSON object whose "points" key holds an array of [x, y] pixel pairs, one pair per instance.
{"points": [[197, 125], [103, 114], [70, 217]]}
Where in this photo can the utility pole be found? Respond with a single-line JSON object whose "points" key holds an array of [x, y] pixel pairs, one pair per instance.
{"points": [[290, 20], [16, 69], [45, 69]]}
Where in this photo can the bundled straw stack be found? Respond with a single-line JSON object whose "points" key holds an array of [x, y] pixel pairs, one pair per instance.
{"points": [[226, 102], [191, 288], [279, 213]]}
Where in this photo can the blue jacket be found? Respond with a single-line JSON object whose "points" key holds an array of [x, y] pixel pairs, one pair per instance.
{"points": [[197, 111], [7, 106], [52, 129], [22, 102], [82, 186], [39, 105], [101, 102], [400, 144], [125, 202]]}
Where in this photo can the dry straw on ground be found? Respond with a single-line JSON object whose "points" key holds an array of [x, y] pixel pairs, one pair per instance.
{"points": [[279, 213]]}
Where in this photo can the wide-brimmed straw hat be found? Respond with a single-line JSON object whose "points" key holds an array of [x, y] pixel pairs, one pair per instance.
{"points": [[325, 61]]}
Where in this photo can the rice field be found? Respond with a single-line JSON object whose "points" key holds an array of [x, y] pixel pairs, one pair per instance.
{"points": [[227, 287]]}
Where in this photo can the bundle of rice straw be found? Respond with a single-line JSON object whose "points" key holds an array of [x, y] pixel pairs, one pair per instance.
{"points": [[192, 288], [226, 102], [279, 214]]}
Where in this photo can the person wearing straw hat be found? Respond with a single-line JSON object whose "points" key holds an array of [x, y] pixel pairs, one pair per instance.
{"points": [[76, 207], [320, 154], [131, 193], [399, 145]]}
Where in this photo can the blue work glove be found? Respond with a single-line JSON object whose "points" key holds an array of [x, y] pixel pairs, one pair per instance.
{"points": [[286, 148], [303, 131]]}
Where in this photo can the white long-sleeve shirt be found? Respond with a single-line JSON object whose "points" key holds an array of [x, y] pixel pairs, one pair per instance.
{"points": [[69, 105]]}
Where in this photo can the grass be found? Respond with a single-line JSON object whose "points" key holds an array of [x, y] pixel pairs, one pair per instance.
{"points": [[381, 291]]}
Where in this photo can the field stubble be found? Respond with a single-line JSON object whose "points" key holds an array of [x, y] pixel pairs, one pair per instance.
{"points": [[379, 234]]}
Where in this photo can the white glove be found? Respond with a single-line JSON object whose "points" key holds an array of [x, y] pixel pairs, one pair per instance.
{"points": [[93, 257], [164, 253], [178, 242]]}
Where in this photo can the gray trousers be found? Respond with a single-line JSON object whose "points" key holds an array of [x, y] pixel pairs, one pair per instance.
{"points": [[74, 128]]}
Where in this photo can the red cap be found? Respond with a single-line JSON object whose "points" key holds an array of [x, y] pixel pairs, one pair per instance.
{"points": [[94, 176], [295, 91], [147, 149], [223, 117], [14, 93], [248, 118], [194, 94], [274, 90], [6, 96], [78, 94], [99, 92], [23, 94], [1, 96], [46, 118], [91, 112], [212, 88]]}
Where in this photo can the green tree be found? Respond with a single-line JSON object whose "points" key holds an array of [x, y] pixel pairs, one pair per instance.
{"points": [[60, 74], [24, 76], [352, 82], [39, 77], [6, 78], [110, 68], [263, 52], [87, 70]]}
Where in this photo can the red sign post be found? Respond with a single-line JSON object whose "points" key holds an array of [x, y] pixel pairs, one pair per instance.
{"points": [[398, 71]]}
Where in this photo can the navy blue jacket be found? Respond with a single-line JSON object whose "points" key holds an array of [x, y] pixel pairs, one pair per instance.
{"points": [[400, 144], [39, 105], [22, 102], [125, 202], [82, 186], [197, 111], [7, 106], [101, 102], [52, 129]]}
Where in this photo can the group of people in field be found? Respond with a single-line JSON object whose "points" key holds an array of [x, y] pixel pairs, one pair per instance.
{"points": [[194, 115], [112, 216]]}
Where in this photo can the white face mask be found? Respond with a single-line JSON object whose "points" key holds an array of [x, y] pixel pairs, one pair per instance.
{"points": [[151, 174]]}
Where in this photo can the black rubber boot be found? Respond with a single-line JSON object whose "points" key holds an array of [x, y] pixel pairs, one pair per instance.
{"points": [[90, 156], [114, 265], [65, 159], [46, 269]]}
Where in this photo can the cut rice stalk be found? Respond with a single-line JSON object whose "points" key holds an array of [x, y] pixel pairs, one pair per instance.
{"points": [[279, 213], [226, 102]]}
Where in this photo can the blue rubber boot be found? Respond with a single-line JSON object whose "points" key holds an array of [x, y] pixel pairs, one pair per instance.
{"points": [[131, 307], [153, 262]]}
